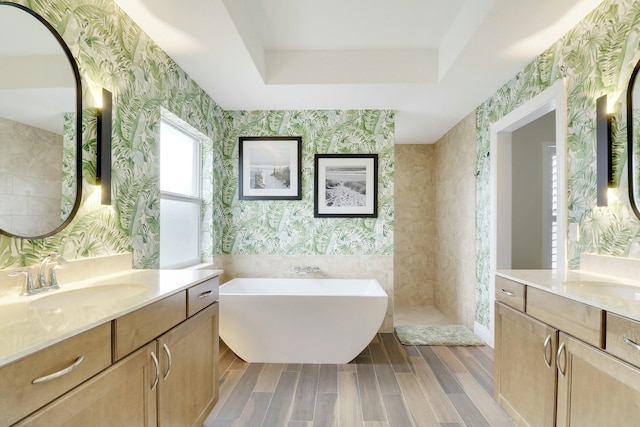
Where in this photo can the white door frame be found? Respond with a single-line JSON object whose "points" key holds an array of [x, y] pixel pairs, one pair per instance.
{"points": [[500, 159]]}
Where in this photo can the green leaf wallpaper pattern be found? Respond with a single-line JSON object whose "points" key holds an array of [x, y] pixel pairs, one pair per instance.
{"points": [[596, 57], [289, 227], [113, 52]]}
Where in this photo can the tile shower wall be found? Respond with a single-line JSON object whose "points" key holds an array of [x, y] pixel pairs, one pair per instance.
{"points": [[113, 52], [596, 58], [454, 242], [30, 178], [415, 225]]}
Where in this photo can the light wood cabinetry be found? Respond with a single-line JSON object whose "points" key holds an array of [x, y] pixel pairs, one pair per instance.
{"points": [[594, 388], [525, 375], [578, 319], [120, 396], [145, 324], [510, 293], [163, 371], [188, 381], [33, 381], [585, 379]]}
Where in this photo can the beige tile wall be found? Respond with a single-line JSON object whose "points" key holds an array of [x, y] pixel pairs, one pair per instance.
{"points": [[455, 237], [434, 229], [414, 225]]}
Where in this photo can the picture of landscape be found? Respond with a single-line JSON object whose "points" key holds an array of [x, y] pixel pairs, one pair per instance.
{"points": [[270, 168], [345, 186]]}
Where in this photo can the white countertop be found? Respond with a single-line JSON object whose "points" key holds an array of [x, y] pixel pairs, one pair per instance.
{"points": [[614, 294], [31, 323]]}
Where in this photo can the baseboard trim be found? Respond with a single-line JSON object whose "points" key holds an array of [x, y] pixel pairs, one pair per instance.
{"points": [[484, 333]]}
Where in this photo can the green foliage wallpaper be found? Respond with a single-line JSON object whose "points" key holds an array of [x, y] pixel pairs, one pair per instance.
{"points": [[596, 58], [113, 52], [289, 227]]}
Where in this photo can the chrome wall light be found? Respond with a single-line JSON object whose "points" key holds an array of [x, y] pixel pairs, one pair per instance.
{"points": [[604, 156], [103, 169]]}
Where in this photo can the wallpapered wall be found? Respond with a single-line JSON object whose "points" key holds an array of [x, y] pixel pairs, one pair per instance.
{"points": [[113, 52], [288, 227], [596, 57]]}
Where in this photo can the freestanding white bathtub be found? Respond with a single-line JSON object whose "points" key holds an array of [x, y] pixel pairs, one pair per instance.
{"points": [[300, 320]]}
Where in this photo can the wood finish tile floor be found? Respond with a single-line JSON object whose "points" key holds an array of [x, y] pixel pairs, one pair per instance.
{"points": [[388, 384]]}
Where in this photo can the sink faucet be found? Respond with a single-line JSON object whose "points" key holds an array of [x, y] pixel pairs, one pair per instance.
{"points": [[29, 288], [52, 281]]}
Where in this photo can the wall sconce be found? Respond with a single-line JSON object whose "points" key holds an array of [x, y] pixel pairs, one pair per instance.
{"points": [[604, 165], [103, 169]]}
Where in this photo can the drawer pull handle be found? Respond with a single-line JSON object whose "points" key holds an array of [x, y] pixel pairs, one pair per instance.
{"points": [[157, 365], [205, 294], [560, 351], [631, 343], [547, 341], [169, 362], [508, 293], [60, 373]]}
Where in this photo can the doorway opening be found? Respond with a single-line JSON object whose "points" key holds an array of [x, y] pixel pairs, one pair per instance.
{"points": [[551, 209]]}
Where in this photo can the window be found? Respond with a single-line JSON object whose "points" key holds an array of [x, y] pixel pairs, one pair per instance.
{"points": [[550, 206], [180, 194]]}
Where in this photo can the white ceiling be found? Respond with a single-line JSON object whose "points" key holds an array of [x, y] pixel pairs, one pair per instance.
{"points": [[432, 61]]}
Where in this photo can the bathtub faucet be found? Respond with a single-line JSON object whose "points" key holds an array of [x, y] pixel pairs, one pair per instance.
{"points": [[306, 270]]}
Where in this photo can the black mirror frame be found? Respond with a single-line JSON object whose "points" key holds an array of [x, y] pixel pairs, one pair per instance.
{"points": [[630, 149], [76, 73]]}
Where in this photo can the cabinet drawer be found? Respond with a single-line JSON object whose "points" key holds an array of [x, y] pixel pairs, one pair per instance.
{"points": [[510, 293], [623, 338], [81, 357], [202, 295], [135, 329], [579, 320]]}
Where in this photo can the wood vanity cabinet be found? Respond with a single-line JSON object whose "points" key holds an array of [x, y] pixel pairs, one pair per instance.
{"points": [[120, 396], [188, 356], [525, 374], [553, 366], [595, 388], [164, 371]]}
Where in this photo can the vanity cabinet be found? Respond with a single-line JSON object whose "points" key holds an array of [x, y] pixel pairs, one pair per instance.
{"points": [[155, 366], [524, 363], [594, 388], [554, 367], [35, 380], [187, 390], [123, 395]]}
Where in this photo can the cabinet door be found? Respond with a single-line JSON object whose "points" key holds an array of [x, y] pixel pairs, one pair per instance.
{"points": [[122, 395], [594, 388], [525, 375], [188, 387]]}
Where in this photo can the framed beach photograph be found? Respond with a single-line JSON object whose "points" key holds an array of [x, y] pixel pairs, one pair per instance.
{"points": [[270, 168], [346, 185]]}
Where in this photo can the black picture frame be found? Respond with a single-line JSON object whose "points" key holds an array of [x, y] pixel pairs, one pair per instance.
{"points": [[346, 185], [270, 168]]}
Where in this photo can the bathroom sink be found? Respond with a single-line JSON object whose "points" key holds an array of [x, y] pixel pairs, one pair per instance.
{"points": [[607, 289], [90, 296]]}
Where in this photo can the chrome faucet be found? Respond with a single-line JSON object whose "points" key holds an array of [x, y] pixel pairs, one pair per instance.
{"points": [[29, 288], [52, 281]]}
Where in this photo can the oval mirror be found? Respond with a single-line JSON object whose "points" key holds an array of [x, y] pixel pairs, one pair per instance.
{"points": [[40, 126], [633, 139]]}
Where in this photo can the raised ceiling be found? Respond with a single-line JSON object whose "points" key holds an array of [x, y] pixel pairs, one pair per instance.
{"points": [[432, 61]]}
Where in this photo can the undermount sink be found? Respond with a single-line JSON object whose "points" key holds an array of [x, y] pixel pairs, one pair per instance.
{"points": [[609, 289], [90, 296]]}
